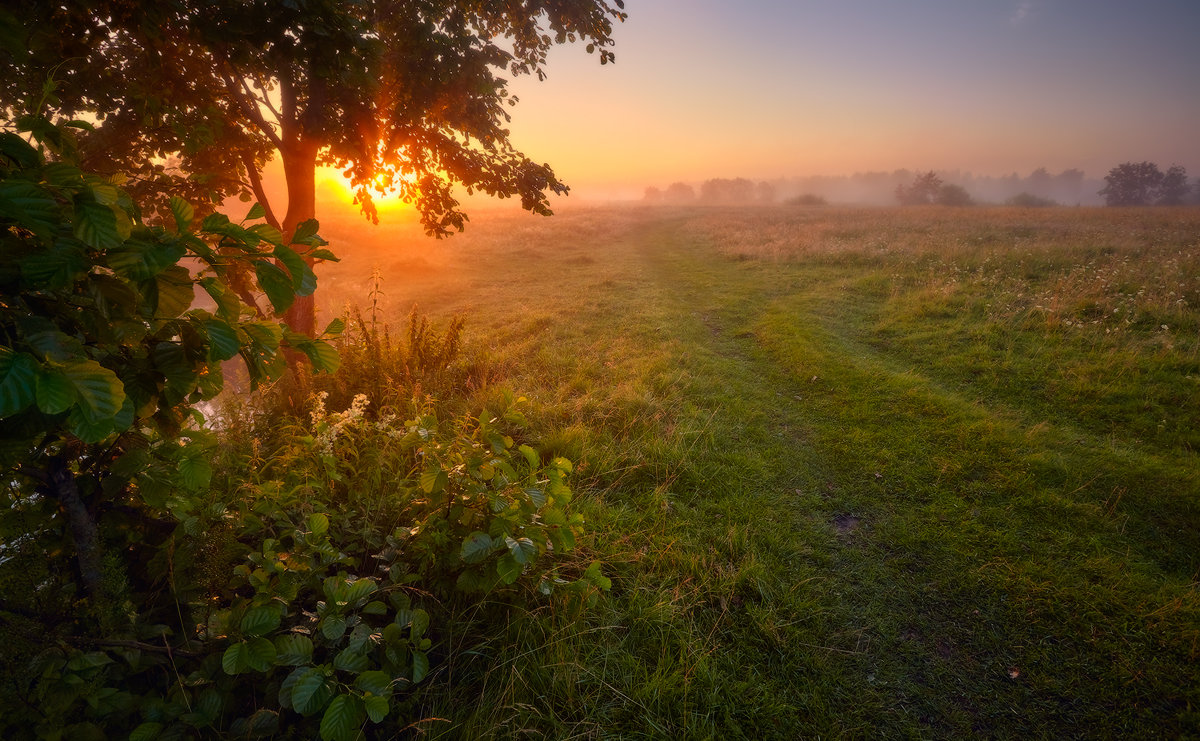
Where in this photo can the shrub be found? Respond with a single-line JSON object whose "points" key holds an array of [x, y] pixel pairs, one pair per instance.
{"points": [[954, 195], [152, 594]]}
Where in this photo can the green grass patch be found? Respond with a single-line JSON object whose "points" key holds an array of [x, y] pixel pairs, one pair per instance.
{"points": [[853, 473]]}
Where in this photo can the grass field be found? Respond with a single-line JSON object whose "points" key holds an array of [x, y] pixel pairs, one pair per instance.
{"points": [[854, 473]]}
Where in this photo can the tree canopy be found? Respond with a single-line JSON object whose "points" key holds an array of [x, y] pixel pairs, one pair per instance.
{"points": [[1143, 184], [406, 96]]}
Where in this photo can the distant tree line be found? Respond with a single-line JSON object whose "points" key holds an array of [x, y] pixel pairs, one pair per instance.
{"points": [[928, 188], [1130, 184], [1143, 184], [717, 191]]}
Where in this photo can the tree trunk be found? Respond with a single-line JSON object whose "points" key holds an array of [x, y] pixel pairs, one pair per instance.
{"points": [[300, 172], [62, 486]]}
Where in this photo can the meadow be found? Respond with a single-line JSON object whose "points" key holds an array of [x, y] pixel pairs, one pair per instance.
{"points": [[923, 472]]}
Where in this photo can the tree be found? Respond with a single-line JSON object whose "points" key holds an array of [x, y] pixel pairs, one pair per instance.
{"points": [[924, 189], [1175, 188], [680, 193], [953, 195], [404, 96], [1132, 184]]}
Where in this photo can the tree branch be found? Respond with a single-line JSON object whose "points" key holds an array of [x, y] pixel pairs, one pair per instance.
{"points": [[249, 106], [260, 193]]}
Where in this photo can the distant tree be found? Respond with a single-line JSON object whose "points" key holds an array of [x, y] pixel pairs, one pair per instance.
{"points": [[653, 195], [406, 97], [1029, 200], [954, 195], [725, 190], [806, 199], [1175, 188], [765, 192], [923, 190], [1132, 184], [680, 193]]}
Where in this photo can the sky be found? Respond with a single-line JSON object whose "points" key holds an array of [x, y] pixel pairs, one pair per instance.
{"points": [[767, 89]]}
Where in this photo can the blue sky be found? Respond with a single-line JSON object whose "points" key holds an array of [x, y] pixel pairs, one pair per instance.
{"points": [[768, 88]]}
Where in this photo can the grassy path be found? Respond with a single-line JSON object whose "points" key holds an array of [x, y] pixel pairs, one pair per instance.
{"points": [[830, 512]]}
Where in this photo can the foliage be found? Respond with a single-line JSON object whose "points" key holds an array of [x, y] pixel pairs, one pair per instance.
{"points": [[953, 195], [102, 365], [735, 191], [923, 190], [1143, 184], [401, 97], [164, 580]]}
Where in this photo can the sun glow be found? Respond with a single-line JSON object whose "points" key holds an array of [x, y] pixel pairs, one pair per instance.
{"points": [[333, 185]]}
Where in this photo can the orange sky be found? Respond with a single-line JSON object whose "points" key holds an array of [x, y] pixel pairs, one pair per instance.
{"points": [[768, 89], [765, 89]]}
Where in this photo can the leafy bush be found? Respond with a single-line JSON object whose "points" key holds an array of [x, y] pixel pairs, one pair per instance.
{"points": [[950, 194], [164, 580]]}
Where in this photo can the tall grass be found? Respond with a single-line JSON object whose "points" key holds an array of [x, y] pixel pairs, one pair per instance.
{"points": [[855, 472]]}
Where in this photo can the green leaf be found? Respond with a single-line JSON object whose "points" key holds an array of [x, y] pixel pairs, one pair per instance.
{"points": [[229, 307], [98, 390], [434, 481], [261, 620], [146, 732], [594, 576], [257, 655], [174, 292], [183, 212], [305, 232], [276, 284], [96, 225], [376, 682], [342, 719], [196, 473], [233, 661], [420, 622], [310, 692], [333, 627], [359, 589], [267, 233], [266, 334], [375, 607], [420, 666], [377, 707], [15, 147], [56, 267], [524, 550], [104, 193], [335, 328], [509, 568], [350, 660], [256, 212], [29, 206], [18, 381], [322, 355], [62, 174], [293, 649], [318, 523], [222, 340], [304, 280], [476, 547], [531, 456]]}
